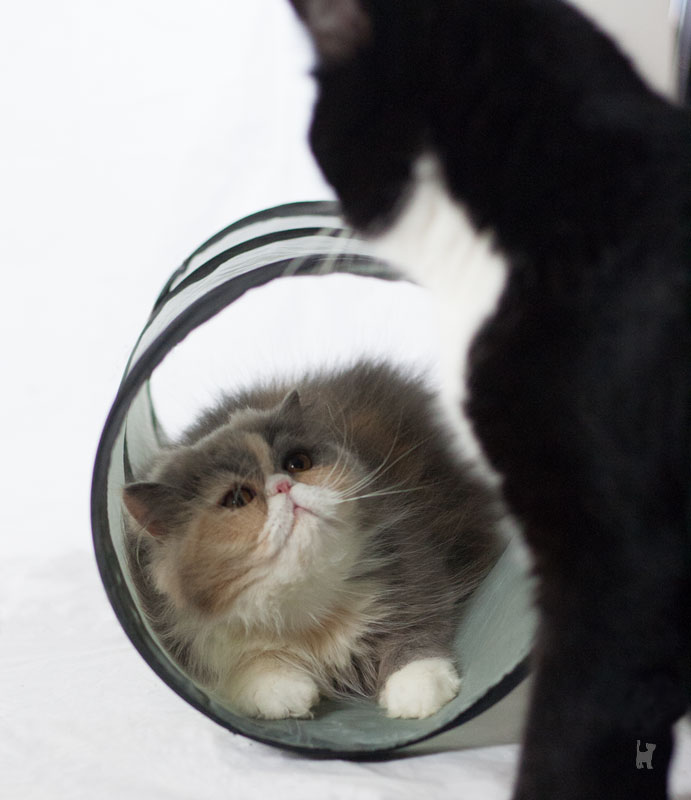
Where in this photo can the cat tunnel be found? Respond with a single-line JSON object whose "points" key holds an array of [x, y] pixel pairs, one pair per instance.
{"points": [[494, 640]]}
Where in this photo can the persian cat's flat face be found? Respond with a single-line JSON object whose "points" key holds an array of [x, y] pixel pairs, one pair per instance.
{"points": [[251, 518]]}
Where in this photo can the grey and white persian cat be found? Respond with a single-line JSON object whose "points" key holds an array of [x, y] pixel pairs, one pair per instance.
{"points": [[315, 539]]}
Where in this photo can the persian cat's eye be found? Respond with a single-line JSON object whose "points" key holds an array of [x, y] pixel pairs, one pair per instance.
{"points": [[298, 462], [351, 582], [238, 497]]}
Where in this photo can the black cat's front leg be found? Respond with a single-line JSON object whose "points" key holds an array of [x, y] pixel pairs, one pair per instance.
{"points": [[607, 678], [579, 393], [595, 764]]}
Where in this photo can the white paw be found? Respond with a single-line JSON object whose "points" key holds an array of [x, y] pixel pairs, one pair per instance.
{"points": [[420, 688], [275, 694]]}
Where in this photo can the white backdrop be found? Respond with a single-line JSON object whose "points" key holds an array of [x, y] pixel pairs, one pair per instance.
{"points": [[129, 133]]}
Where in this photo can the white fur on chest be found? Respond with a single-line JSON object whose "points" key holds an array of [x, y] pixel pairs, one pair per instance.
{"points": [[434, 242]]}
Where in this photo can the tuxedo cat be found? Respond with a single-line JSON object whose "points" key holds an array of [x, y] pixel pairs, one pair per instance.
{"points": [[507, 155]]}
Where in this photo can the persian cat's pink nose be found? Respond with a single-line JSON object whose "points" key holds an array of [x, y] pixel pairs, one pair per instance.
{"points": [[283, 486]]}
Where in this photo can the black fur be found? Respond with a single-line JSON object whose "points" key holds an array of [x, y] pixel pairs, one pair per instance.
{"points": [[580, 383]]}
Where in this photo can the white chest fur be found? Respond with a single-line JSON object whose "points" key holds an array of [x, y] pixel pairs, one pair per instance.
{"points": [[435, 243]]}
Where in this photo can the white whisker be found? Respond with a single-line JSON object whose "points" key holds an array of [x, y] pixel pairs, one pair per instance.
{"points": [[367, 479], [381, 471], [384, 492], [329, 263], [346, 448], [299, 261]]}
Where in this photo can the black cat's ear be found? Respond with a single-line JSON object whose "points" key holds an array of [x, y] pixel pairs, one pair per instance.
{"points": [[290, 407], [338, 27], [153, 506]]}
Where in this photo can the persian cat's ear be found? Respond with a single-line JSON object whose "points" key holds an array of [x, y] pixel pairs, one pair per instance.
{"points": [[155, 507], [290, 408], [338, 27]]}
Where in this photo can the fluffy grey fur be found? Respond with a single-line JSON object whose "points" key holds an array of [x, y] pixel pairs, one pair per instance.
{"points": [[426, 530]]}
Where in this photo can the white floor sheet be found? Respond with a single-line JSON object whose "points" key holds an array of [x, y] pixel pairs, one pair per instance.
{"points": [[83, 716]]}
